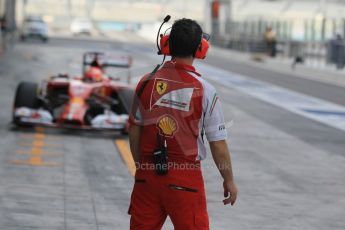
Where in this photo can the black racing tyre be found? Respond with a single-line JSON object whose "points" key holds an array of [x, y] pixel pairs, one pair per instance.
{"points": [[126, 96], [124, 132], [26, 96]]}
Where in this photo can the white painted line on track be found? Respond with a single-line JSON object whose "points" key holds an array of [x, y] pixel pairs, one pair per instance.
{"points": [[310, 107]]}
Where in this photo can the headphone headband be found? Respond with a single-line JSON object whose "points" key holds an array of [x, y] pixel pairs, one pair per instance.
{"points": [[165, 43]]}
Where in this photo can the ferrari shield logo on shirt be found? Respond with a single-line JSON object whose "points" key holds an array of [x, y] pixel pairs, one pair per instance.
{"points": [[177, 95], [167, 126], [161, 87]]}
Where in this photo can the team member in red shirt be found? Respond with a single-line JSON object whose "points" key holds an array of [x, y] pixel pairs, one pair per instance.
{"points": [[176, 107]]}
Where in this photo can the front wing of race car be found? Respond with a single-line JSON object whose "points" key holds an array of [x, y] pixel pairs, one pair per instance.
{"points": [[106, 121]]}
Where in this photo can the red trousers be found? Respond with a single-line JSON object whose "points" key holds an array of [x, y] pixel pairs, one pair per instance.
{"points": [[179, 195]]}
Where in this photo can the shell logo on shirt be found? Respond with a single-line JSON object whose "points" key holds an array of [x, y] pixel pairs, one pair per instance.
{"points": [[161, 87], [167, 126]]}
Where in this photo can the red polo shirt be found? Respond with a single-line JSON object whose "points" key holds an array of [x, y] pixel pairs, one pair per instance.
{"points": [[177, 104]]}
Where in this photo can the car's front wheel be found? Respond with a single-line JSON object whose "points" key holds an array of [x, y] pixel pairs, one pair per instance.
{"points": [[26, 96]]}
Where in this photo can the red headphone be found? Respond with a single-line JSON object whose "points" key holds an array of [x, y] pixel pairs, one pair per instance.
{"points": [[200, 52]]}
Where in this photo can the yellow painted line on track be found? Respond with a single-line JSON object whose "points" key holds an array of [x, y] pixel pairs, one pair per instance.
{"points": [[34, 161], [39, 129], [35, 152], [125, 152], [36, 143], [38, 136]]}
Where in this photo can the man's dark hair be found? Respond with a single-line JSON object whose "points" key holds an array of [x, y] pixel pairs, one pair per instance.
{"points": [[185, 37]]}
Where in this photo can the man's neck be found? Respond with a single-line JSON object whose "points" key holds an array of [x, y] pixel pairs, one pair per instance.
{"points": [[186, 61]]}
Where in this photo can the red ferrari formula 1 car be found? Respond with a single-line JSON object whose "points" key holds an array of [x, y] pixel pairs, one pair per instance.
{"points": [[93, 101]]}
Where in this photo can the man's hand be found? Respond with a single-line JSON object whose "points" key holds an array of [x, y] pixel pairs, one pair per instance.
{"points": [[230, 193], [134, 142], [221, 157]]}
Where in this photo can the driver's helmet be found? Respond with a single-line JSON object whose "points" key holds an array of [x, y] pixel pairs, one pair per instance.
{"points": [[96, 63], [93, 74]]}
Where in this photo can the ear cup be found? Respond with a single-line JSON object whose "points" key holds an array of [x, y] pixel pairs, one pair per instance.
{"points": [[202, 49], [164, 45], [200, 52]]}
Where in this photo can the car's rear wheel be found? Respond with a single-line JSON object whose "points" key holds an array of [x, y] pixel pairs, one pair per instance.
{"points": [[125, 130], [126, 98], [26, 96]]}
